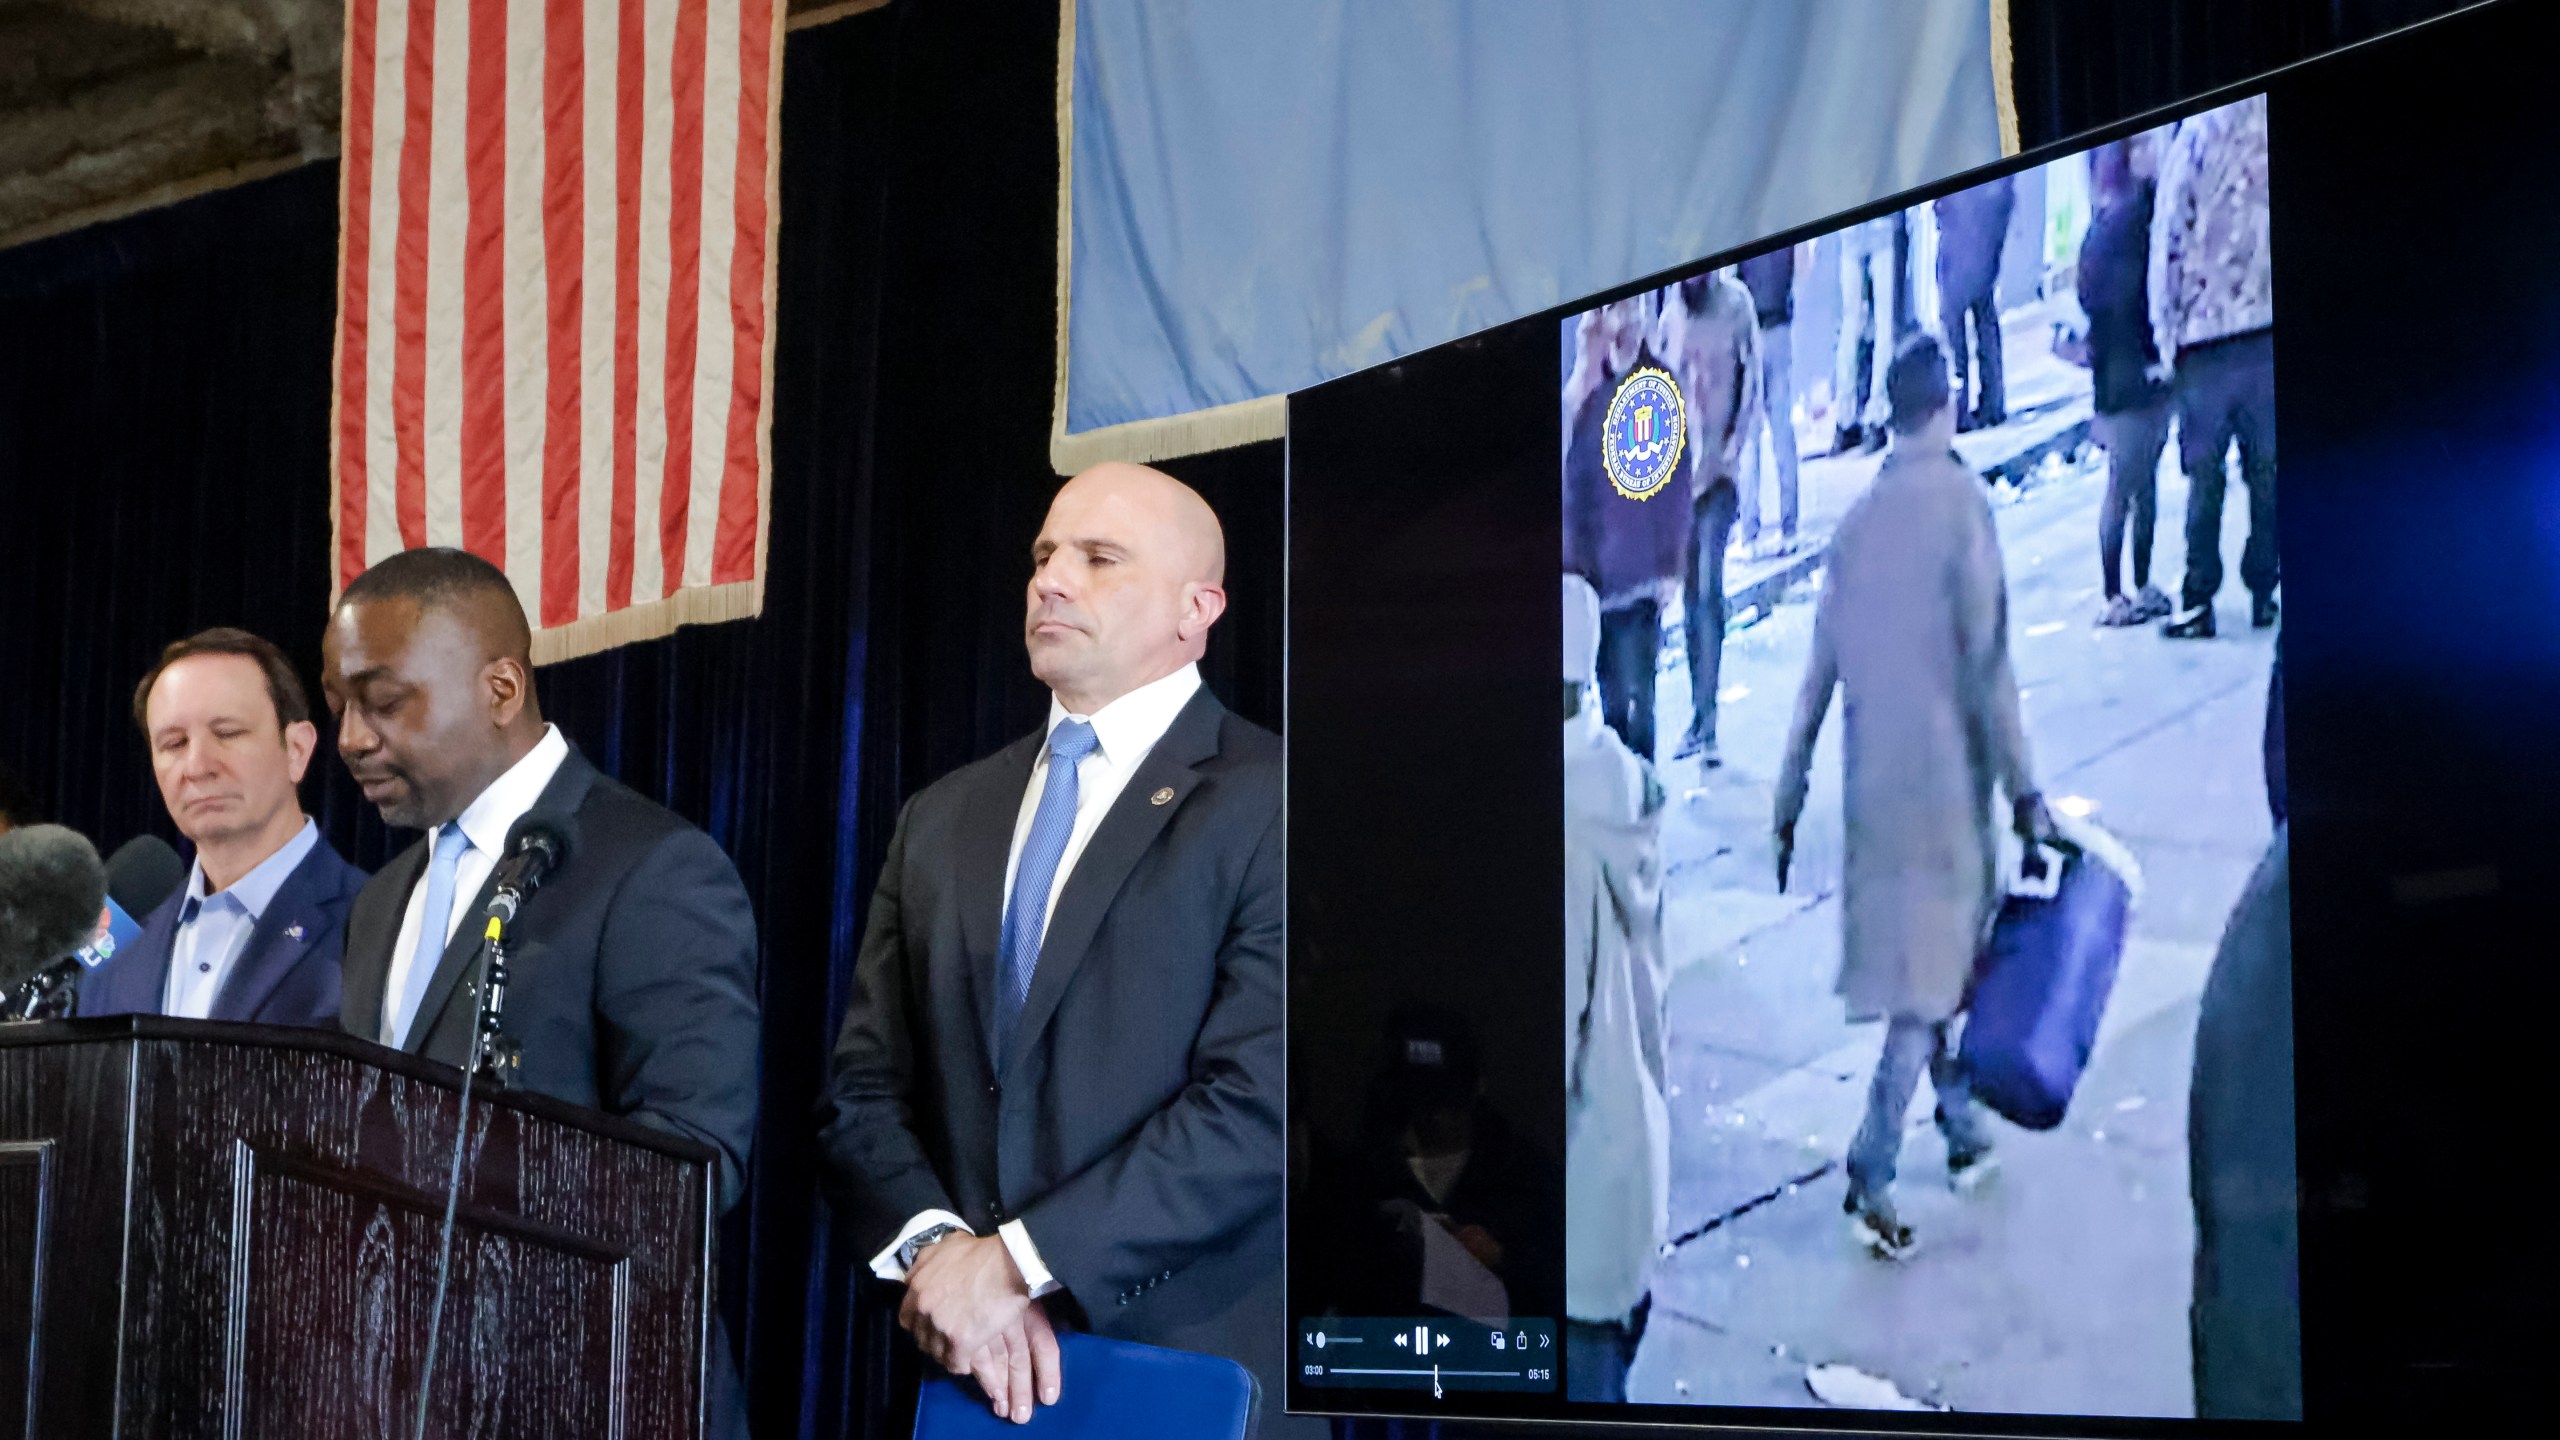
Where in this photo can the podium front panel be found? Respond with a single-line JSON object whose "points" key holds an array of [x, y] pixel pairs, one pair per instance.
{"points": [[274, 1223]]}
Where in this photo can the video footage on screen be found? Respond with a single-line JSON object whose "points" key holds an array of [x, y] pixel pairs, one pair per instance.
{"points": [[1927, 959]]}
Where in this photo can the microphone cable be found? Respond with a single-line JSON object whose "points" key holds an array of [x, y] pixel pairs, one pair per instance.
{"points": [[490, 940], [536, 845]]}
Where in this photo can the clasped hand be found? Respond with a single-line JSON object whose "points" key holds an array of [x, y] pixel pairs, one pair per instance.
{"points": [[970, 1313]]}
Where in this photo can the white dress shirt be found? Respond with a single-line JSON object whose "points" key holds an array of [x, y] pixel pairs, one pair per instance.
{"points": [[485, 823], [1125, 730], [214, 929]]}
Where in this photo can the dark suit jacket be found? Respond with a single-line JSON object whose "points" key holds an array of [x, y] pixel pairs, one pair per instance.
{"points": [[1134, 1125], [286, 975], [631, 972]]}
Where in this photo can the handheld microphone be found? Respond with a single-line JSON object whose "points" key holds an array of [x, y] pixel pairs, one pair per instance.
{"points": [[143, 873], [538, 845], [53, 889]]}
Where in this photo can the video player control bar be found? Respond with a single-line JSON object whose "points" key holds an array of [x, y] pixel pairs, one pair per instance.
{"points": [[1434, 1354]]}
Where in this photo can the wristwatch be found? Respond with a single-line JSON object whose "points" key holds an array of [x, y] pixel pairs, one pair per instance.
{"points": [[917, 1242]]}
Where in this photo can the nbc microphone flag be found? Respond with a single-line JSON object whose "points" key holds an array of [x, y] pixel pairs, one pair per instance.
{"points": [[556, 299]]}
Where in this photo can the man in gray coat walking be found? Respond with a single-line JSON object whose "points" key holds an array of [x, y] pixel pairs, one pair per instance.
{"points": [[1913, 627]]}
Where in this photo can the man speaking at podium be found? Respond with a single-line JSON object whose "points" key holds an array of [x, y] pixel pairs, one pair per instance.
{"points": [[1057, 1095], [632, 983]]}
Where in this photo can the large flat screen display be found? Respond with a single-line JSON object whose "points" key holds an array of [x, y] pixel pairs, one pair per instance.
{"points": [[1854, 864]]}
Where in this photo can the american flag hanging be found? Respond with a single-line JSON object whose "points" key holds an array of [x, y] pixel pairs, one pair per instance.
{"points": [[555, 321]]}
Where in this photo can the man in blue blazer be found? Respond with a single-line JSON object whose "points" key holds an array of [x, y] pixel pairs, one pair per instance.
{"points": [[257, 932]]}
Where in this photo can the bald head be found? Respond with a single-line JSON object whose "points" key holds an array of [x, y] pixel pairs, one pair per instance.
{"points": [[1127, 576], [1142, 497], [427, 665]]}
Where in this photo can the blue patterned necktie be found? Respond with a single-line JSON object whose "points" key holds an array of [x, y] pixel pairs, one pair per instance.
{"points": [[1026, 910], [433, 923]]}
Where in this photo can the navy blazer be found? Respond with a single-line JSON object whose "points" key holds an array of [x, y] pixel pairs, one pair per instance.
{"points": [[286, 975], [631, 973], [1134, 1122]]}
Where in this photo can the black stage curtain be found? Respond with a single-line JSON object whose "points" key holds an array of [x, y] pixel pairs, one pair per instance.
{"points": [[2086, 63], [164, 405]]}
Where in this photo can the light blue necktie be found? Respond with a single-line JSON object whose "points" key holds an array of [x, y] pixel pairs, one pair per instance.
{"points": [[1026, 910], [451, 846]]}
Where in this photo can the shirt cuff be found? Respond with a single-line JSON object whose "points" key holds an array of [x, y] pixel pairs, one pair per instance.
{"points": [[885, 1264], [1026, 1258]]}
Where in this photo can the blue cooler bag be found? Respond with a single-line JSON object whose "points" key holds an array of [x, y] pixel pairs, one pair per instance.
{"points": [[2040, 984]]}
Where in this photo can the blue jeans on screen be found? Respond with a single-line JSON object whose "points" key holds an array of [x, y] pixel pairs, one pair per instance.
{"points": [[1910, 1044], [1597, 1356]]}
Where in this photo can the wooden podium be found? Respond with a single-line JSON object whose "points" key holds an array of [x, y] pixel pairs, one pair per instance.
{"points": [[218, 1230]]}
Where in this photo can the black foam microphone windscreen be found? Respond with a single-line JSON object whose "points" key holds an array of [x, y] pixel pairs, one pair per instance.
{"points": [[144, 872], [52, 891], [539, 844]]}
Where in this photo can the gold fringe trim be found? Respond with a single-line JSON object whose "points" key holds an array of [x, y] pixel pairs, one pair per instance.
{"points": [[1066, 227], [1220, 427], [2004, 78], [655, 619], [772, 305], [1217, 428], [338, 332]]}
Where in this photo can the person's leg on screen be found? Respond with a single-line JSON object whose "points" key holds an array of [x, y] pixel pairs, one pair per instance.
{"points": [[2204, 446], [2254, 421], [1630, 652], [1595, 1361], [1850, 356], [1992, 408], [2133, 440], [2111, 517], [2148, 439], [1910, 1045], [1778, 405], [1880, 272], [1703, 627], [1953, 307], [1969, 1158]]}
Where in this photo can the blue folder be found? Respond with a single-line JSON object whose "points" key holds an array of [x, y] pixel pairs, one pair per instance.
{"points": [[1106, 1388]]}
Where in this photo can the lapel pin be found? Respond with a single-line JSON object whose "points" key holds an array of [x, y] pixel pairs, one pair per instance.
{"points": [[1161, 797], [293, 932]]}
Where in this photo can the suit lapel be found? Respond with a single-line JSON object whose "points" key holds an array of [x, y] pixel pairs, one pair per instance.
{"points": [[567, 791], [459, 952], [373, 932], [293, 921], [986, 840], [1134, 821]]}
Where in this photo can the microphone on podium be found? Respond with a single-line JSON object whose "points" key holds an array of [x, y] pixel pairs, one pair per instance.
{"points": [[538, 845], [143, 873], [53, 895]]}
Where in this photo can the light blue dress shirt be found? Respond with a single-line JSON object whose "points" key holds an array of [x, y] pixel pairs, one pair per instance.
{"points": [[214, 929]]}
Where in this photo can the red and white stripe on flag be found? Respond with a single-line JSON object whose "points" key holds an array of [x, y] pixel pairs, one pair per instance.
{"points": [[556, 311]]}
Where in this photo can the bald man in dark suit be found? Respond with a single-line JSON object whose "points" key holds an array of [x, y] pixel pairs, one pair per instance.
{"points": [[1057, 1096]]}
